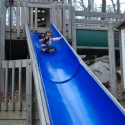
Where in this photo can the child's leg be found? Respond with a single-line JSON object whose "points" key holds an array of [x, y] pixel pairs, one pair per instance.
{"points": [[52, 49], [44, 49]]}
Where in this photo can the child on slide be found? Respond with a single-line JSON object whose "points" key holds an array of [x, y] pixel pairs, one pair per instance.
{"points": [[46, 41]]}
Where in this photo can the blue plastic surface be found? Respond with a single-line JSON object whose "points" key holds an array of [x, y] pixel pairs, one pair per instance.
{"points": [[56, 70], [72, 94]]}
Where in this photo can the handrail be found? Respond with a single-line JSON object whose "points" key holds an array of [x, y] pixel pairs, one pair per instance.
{"points": [[42, 108]]}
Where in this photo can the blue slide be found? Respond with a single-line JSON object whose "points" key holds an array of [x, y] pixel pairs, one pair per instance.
{"points": [[73, 94]]}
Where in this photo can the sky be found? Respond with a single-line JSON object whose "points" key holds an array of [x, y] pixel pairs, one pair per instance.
{"points": [[97, 4], [108, 2]]}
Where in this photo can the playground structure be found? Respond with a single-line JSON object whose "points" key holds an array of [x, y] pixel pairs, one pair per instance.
{"points": [[28, 13]]}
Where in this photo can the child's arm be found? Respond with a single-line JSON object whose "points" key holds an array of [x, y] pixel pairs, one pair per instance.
{"points": [[41, 40], [56, 39]]}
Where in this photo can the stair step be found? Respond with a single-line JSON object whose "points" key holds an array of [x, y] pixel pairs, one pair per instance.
{"points": [[5, 123]]}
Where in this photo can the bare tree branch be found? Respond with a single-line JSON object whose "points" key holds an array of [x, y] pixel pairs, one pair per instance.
{"points": [[113, 5]]}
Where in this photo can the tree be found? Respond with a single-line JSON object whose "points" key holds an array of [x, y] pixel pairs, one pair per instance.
{"points": [[118, 6], [113, 6], [103, 5], [103, 8]]}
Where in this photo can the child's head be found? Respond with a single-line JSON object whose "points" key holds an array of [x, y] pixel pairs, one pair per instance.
{"points": [[48, 33]]}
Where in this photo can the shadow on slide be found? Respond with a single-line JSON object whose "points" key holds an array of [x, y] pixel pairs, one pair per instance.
{"points": [[74, 95]]}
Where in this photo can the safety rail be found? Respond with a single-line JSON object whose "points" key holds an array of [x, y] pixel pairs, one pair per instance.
{"points": [[17, 78], [96, 20], [42, 107], [17, 92], [39, 16], [35, 1]]}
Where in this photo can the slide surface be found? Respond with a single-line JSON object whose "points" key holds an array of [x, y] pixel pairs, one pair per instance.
{"points": [[73, 95]]}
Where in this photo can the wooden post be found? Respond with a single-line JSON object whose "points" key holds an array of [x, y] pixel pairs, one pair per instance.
{"points": [[112, 65], [61, 19], [10, 16], [64, 21], [53, 19], [121, 64], [73, 29], [0, 78], [18, 19], [51, 1], [24, 19], [48, 18], [92, 5], [2, 38], [28, 14], [65, 1], [35, 19], [20, 80], [69, 21], [29, 92], [21, 11], [11, 9], [13, 84], [122, 58], [50, 13], [58, 17], [6, 86], [31, 18], [124, 15], [0, 41]]}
